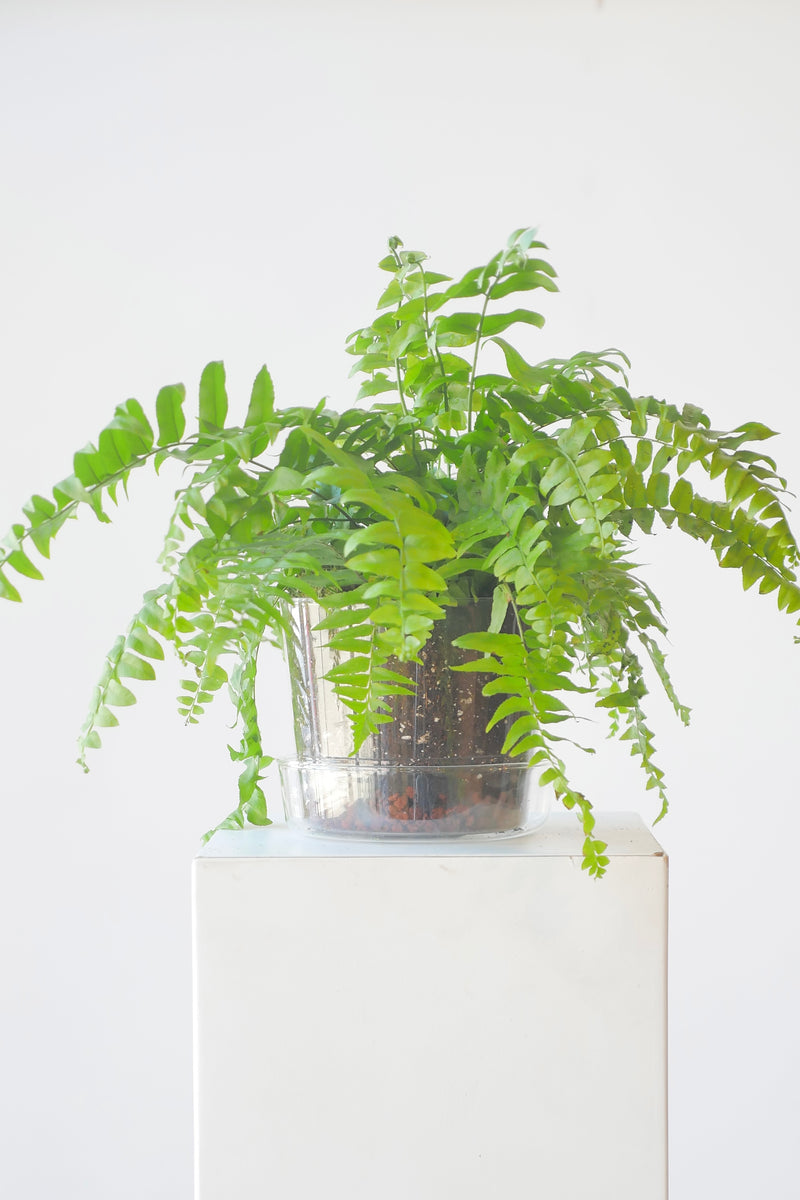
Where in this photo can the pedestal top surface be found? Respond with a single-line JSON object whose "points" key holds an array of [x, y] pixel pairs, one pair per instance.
{"points": [[561, 836]]}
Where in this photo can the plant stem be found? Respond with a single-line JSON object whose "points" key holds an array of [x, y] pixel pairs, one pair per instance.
{"points": [[397, 368], [325, 499], [474, 371], [339, 508], [437, 352], [91, 489]]}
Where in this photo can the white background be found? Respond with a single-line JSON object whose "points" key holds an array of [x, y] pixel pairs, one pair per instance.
{"points": [[187, 182]]}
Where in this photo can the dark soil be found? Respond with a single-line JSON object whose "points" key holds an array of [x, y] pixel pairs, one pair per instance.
{"points": [[446, 718], [443, 721]]}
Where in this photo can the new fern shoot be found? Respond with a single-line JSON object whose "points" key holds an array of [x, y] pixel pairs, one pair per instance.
{"points": [[528, 483]]}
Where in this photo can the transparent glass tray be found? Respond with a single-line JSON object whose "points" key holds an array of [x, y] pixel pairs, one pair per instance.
{"points": [[349, 798]]}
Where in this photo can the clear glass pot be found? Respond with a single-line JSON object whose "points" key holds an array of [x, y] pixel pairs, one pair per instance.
{"points": [[433, 771], [352, 798]]}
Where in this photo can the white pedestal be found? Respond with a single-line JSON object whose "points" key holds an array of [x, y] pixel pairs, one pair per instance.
{"points": [[447, 1021]]}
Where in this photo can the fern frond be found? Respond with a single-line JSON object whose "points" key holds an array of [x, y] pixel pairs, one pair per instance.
{"points": [[252, 806], [130, 657]]}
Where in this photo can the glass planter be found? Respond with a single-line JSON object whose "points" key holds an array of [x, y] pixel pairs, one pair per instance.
{"points": [[433, 771], [356, 799]]}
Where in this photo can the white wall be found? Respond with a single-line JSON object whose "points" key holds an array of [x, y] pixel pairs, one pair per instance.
{"points": [[182, 182]]}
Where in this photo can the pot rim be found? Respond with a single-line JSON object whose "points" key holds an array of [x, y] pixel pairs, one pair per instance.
{"points": [[370, 766]]}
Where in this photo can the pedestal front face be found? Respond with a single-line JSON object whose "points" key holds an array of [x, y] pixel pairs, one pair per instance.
{"points": [[438, 1022]]}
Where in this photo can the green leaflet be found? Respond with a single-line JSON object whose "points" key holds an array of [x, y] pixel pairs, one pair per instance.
{"points": [[123, 661], [213, 399], [262, 399], [7, 590], [169, 414], [17, 558], [133, 667]]}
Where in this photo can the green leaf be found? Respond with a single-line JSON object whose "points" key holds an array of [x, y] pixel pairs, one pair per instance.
{"points": [[531, 377], [90, 467], [789, 597], [382, 533], [7, 590], [525, 237], [682, 495], [118, 695], [169, 414], [387, 614], [658, 490], [463, 325], [644, 453], [752, 569], [393, 294], [371, 498], [377, 562], [572, 439], [468, 285], [262, 399], [22, 564], [144, 643], [131, 416], [739, 484], [430, 546], [118, 448], [558, 470], [523, 282], [416, 602], [624, 699], [70, 490], [508, 708], [371, 362], [284, 480], [38, 510], [523, 725], [519, 316], [213, 398], [507, 645], [756, 431], [373, 387], [133, 667], [501, 598], [592, 461], [417, 575], [566, 492]]}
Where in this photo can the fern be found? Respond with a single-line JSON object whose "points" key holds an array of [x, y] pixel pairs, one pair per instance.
{"points": [[528, 483]]}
